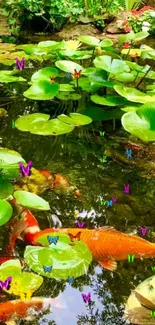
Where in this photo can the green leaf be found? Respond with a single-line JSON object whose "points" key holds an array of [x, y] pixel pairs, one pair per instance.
{"points": [[33, 49], [6, 77], [31, 201], [66, 87], [126, 77], [106, 63], [88, 71], [139, 36], [66, 96], [43, 90], [108, 101], [134, 95], [97, 114], [9, 157], [5, 212], [80, 119], [44, 74], [25, 122], [6, 189], [46, 44], [141, 123], [51, 127], [106, 43], [68, 66], [66, 260], [89, 40]]}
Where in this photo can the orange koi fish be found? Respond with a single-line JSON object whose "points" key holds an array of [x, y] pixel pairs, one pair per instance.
{"points": [[11, 310], [106, 244]]}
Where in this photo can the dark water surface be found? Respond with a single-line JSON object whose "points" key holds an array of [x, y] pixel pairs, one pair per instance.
{"points": [[76, 156]]}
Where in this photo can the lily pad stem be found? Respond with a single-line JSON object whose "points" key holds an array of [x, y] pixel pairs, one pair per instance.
{"points": [[151, 67], [92, 56]]}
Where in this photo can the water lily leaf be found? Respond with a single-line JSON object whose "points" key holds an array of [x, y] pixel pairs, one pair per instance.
{"points": [[31, 201], [12, 173], [66, 87], [45, 44], [42, 90], [139, 36], [6, 78], [134, 95], [98, 114], [9, 157], [108, 101], [66, 260], [5, 212], [88, 71], [98, 76], [24, 123], [51, 127], [44, 74], [6, 189], [141, 123], [89, 40], [84, 83], [33, 49], [75, 119], [68, 66], [106, 43], [22, 282], [126, 77], [66, 96], [51, 47], [114, 66]]}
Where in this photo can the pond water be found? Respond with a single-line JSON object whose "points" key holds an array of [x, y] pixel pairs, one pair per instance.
{"points": [[77, 157]]}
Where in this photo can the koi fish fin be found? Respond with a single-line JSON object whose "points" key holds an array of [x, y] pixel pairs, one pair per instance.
{"points": [[144, 302], [18, 228], [110, 265]]}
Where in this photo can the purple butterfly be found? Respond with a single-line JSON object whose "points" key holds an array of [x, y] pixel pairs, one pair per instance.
{"points": [[20, 64], [114, 199], [6, 284], [25, 170], [86, 298], [80, 225], [126, 188], [144, 230]]}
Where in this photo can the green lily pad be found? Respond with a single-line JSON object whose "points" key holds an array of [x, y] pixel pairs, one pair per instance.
{"points": [[75, 119], [66, 87], [134, 95], [21, 281], [5, 212], [6, 78], [106, 43], [114, 66], [98, 114], [31, 201], [25, 122], [141, 123], [65, 96], [9, 157], [126, 76], [44, 74], [139, 36], [89, 40], [42, 90], [108, 101], [6, 189], [33, 49], [12, 173], [45, 44], [51, 127], [68, 66], [88, 71], [65, 259]]}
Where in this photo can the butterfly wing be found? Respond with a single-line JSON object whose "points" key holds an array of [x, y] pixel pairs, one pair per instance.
{"points": [[49, 238], [71, 237], [84, 297], [45, 269], [56, 239], [89, 296], [78, 235], [8, 282]]}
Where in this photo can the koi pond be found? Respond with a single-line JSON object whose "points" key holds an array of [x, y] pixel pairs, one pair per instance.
{"points": [[77, 151]]}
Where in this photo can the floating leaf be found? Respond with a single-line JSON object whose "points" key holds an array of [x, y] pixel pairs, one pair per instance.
{"points": [[75, 119], [89, 40], [134, 95], [65, 259], [42, 90], [66, 87], [98, 114], [114, 66], [44, 74], [106, 43], [9, 157], [6, 189], [31, 201], [51, 127], [108, 101], [5, 212], [68, 66], [25, 122]]}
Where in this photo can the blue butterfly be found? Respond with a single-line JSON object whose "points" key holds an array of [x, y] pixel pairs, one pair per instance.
{"points": [[68, 75], [70, 279], [109, 203], [47, 268], [52, 239]]}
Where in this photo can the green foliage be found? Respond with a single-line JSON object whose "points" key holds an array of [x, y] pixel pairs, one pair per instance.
{"points": [[143, 22]]}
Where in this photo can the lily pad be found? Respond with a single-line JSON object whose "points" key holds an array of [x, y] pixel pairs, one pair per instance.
{"points": [[22, 282], [108, 101], [44, 74], [31, 201], [6, 78], [25, 122], [133, 94], [42, 90], [89, 40], [68, 66], [75, 119], [106, 43], [65, 259], [51, 127], [66, 87], [6, 189], [141, 123], [5, 212], [98, 114], [114, 66], [9, 157]]}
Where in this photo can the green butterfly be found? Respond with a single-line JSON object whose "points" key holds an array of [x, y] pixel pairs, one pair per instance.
{"points": [[13, 124], [101, 134], [103, 159]]}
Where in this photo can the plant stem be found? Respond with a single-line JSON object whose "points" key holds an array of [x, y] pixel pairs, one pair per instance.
{"points": [[151, 67], [92, 56], [77, 83]]}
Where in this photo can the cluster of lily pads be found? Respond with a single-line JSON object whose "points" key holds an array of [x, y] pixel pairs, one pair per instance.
{"points": [[66, 260], [110, 76]]}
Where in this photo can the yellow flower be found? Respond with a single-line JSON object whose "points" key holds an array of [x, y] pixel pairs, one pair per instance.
{"points": [[72, 45]]}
